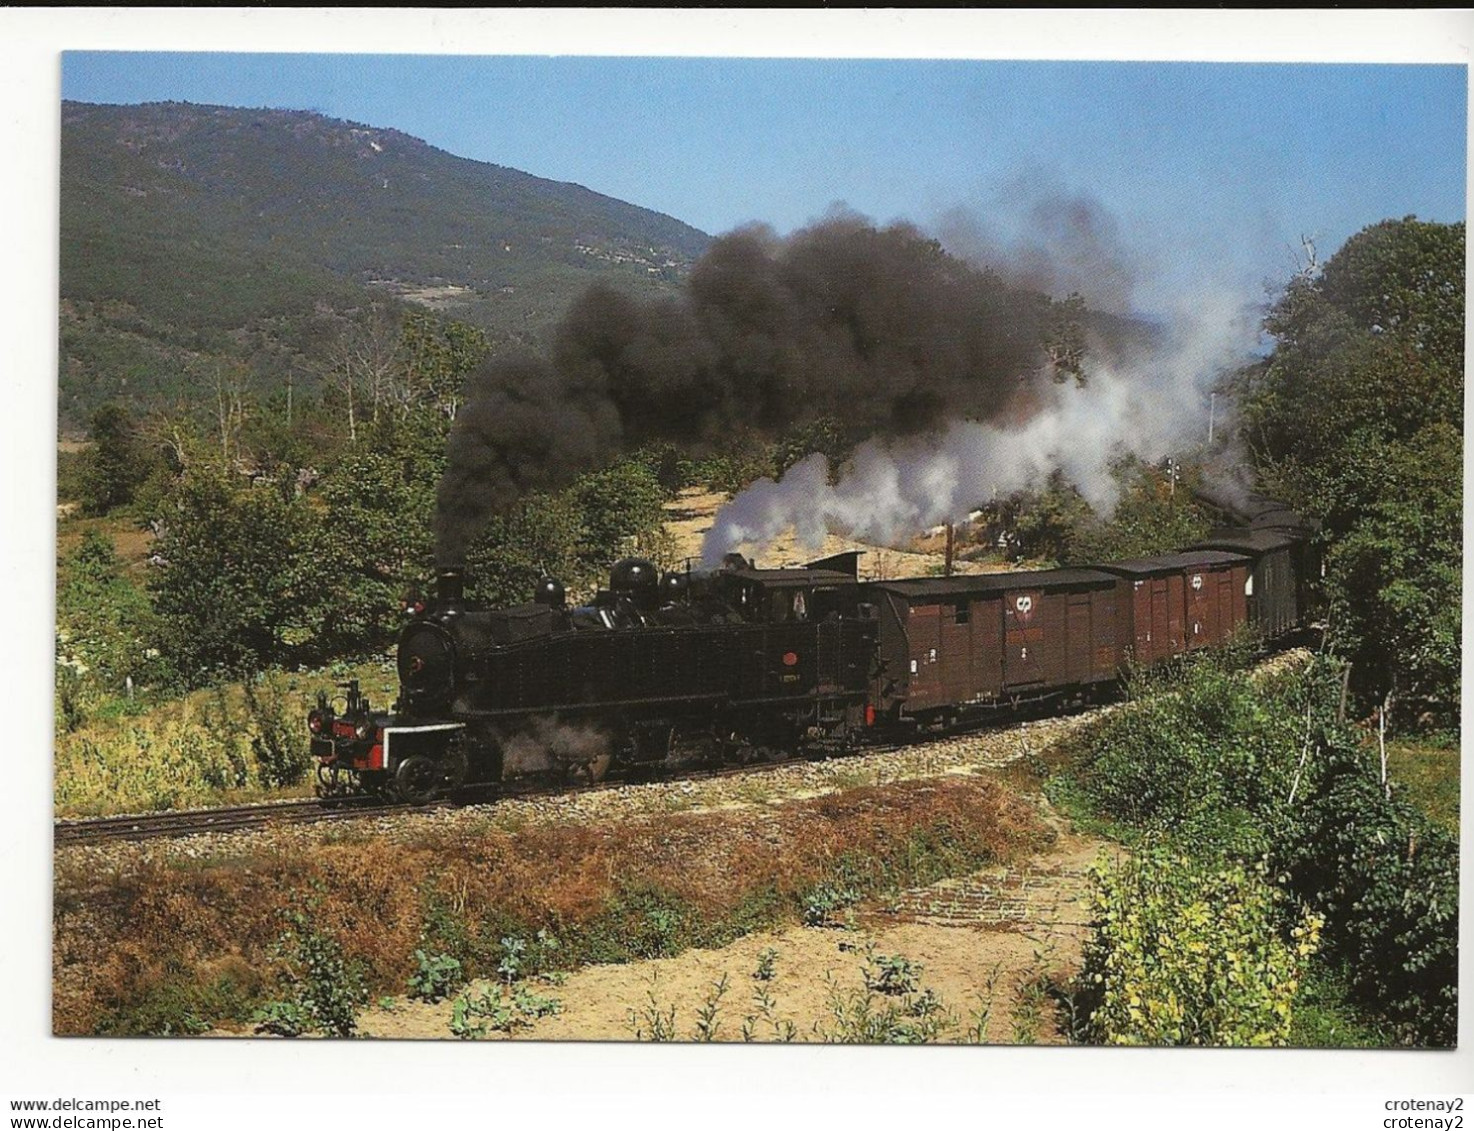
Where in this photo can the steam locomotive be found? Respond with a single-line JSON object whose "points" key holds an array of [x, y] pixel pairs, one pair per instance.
{"points": [[740, 663]]}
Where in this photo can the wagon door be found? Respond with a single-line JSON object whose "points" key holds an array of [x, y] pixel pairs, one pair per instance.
{"points": [[1143, 650], [1230, 601], [954, 637], [1152, 629], [924, 629], [1079, 655], [987, 645], [1202, 610], [1023, 638], [1106, 632]]}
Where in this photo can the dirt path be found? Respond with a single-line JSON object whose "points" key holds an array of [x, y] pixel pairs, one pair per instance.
{"points": [[691, 514], [981, 944]]}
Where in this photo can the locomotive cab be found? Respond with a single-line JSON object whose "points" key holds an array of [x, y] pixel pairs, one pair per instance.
{"points": [[789, 596]]}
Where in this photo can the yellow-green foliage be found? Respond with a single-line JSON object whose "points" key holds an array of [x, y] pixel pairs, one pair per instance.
{"points": [[196, 750], [1187, 952]]}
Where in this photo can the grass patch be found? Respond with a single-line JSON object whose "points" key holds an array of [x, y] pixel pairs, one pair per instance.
{"points": [[1428, 773], [200, 749], [1326, 1017], [655, 888]]}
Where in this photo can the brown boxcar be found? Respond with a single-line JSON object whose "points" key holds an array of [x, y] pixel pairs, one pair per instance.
{"points": [[1178, 602], [953, 645], [1273, 595]]}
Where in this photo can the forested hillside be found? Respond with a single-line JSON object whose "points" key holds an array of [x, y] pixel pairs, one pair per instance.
{"points": [[200, 237]]}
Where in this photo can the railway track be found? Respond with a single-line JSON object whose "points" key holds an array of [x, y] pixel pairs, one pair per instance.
{"points": [[242, 818], [192, 822]]}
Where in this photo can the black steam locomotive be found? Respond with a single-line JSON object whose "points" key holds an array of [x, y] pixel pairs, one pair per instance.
{"points": [[740, 663]]}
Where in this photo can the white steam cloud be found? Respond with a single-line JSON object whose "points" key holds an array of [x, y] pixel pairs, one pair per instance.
{"points": [[1150, 406]]}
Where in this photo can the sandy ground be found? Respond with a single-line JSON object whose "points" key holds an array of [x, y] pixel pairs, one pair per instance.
{"points": [[692, 512], [979, 942]]}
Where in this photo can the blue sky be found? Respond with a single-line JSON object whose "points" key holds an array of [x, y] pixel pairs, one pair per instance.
{"points": [[1197, 169]]}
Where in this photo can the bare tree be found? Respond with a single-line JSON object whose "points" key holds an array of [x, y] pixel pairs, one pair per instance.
{"points": [[171, 429], [364, 363], [230, 406]]}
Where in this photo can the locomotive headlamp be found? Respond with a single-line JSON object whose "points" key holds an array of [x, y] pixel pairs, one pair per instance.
{"points": [[315, 721], [364, 729]]}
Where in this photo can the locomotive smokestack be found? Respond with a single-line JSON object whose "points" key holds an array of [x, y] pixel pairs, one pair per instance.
{"points": [[450, 586]]}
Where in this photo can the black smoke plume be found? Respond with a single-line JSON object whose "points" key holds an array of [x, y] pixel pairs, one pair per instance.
{"points": [[1042, 235], [878, 328]]}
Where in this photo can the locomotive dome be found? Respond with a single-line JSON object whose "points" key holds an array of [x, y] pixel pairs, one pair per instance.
{"points": [[635, 577], [549, 592]]}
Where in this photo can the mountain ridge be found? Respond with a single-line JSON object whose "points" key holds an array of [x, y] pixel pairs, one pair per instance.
{"points": [[186, 228]]}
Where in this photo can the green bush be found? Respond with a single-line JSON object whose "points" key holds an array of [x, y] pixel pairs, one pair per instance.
{"points": [[499, 1009], [1213, 750], [435, 976], [1258, 771], [104, 625], [323, 991], [1187, 952], [744, 463], [278, 741], [1387, 879], [244, 573]]}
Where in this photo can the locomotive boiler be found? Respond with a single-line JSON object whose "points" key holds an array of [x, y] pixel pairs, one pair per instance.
{"points": [[734, 664]]}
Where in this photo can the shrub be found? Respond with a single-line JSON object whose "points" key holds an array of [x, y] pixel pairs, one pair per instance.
{"points": [[492, 1010], [860, 1017], [1213, 747], [435, 976], [323, 990], [1387, 879], [104, 624], [1233, 768], [1187, 952], [767, 966], [278, 740], [825, 899], [892, 975]]}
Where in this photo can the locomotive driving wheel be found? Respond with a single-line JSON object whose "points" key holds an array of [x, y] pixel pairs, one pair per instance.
{"points": [[418, 780]]}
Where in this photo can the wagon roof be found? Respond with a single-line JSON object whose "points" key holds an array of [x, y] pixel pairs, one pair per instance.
{"points": [[794, 577], [965, 584], [1169, 563], [1247, 541]]}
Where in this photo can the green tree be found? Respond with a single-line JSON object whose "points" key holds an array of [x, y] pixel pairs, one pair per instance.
{"points": [[1045, 524], [616, 504], [105, 624], [824, 435], [438, 353], [539, 537], [573, 535], [378, 531], [116, 464], [241, 583], [1357, 418], [1154, 514]]}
